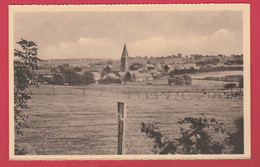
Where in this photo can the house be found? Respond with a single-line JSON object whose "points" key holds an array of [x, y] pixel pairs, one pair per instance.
{"points": [[121, 75], [115, 68], [129, 75], [137, 77], [142, 69], [111, 75], [171, 67], [43, 70], [97, 76]]}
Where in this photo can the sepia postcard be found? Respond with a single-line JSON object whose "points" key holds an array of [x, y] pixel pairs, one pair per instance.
{"points": [[98, 82]]}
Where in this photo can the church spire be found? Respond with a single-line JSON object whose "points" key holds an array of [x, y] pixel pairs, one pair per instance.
{"points": [[125, 53], [124, 60]]}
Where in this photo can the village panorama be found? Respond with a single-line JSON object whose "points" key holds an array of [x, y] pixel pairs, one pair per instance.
{"points": [[80, 99], [140, 69], [128, 84]]}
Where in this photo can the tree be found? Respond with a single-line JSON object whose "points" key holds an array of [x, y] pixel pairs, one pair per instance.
{"points": [[41, 78], [77, 69], [241, 82], [110, 80], [58, 79], [88, 78], [230, 86], [72, 77], [178, 81], [23, 67], [150, 68], [166, 67], [136, 66], [187, 79], [106, 71]]}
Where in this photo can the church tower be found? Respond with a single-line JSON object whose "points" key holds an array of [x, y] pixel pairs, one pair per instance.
{"points": [[124, 60]]}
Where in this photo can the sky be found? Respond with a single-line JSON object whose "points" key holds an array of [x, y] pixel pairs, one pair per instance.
{"points": [[151, 33]]}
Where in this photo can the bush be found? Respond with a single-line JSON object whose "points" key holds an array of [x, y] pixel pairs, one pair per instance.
{"points": [[58, 79], [166, 67], [110, 80], [230, 86], [187, 79], [198, 136], [177, 81], [236, 140], [136, 66], [241, 82], [88, 78]]}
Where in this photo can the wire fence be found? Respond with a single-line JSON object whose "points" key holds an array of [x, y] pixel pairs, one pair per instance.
{"points": [[68, 120], [140, 92]]}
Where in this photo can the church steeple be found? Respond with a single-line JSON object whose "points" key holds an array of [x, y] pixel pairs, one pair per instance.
{"points": [[124, 53], [124, 60]]}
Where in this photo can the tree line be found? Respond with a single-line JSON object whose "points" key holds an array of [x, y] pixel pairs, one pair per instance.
{"points": [[192, 70], [68, 76]]}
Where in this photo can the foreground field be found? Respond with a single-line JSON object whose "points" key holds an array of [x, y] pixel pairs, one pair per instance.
{"points": [[78, 122]]}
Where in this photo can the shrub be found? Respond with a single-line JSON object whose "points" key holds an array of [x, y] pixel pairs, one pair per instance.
{"points": [[88, 78], [166, 67], [230, 86], [110, 80], [136, 66], [58, 79], [198, 136], [236, 139], [187, 79], [178, 81], [241, 82]]}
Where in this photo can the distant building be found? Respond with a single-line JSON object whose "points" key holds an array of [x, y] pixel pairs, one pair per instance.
{"points": [[129, 75], [121, 75], [196, 57], [111, 75], [115, 68], [124, 60], [142, 77], [97, 76], [43, 70]]}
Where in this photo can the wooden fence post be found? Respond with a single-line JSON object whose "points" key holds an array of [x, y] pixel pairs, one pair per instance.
{"points": [[122, 113], [53, 89]]}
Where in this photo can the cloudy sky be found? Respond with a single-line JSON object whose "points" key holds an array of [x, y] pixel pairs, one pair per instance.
{"points": [[103, 34]]}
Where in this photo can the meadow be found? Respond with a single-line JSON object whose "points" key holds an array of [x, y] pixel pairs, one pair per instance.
{"points": [[83, 120]]}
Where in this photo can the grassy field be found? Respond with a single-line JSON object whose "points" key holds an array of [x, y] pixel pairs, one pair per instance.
{"points": [[73, 121]]}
